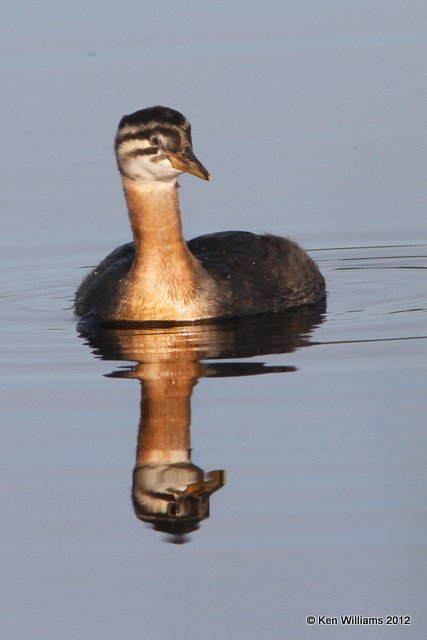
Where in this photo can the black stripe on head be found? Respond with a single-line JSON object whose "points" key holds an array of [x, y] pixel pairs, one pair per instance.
{"points": [[175, 141], [156, 115], [140, 152], [145, 133]]}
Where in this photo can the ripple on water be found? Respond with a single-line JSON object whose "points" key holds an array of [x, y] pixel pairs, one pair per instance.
{"points": [[375, 292]]}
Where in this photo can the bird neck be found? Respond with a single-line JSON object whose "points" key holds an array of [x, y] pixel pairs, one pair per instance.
{"points": [[165, 277], [155, 220]]}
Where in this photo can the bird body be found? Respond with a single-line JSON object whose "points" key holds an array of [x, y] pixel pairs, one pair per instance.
{"points": [[160, 277]]}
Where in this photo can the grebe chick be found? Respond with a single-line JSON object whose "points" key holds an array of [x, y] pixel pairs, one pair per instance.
{"points": [[160, 277]]}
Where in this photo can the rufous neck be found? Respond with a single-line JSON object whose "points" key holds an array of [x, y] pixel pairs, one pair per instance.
{"points": [[154, 215]]}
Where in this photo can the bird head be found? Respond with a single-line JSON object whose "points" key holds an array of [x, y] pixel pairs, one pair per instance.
{"points": [[154, 144]]}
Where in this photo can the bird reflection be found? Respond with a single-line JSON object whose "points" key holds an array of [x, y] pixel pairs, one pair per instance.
{"points": [[170, 492]]}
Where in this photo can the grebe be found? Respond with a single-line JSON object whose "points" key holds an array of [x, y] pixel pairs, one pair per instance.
{"points": [[160, 277]]}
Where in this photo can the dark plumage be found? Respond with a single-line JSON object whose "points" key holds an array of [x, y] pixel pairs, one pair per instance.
{"points": [[258, 274]]}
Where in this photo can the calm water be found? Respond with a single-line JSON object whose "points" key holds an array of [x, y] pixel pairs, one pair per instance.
{"points": [[305, 491]]}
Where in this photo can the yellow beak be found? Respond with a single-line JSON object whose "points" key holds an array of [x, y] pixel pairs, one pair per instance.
{"points": [[188, 163]]}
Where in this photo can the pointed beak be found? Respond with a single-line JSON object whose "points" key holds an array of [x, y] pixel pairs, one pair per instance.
{"points": [[188, 163]]}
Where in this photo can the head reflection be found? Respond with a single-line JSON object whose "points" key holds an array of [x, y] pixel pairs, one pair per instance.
{"points": [[169, 491], [174, 498]]}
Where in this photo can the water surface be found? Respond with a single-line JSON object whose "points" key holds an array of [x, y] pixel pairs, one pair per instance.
{"points": [[309, 429]]}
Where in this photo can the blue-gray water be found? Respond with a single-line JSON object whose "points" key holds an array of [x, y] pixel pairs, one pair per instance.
{"points": [[310, 117]]}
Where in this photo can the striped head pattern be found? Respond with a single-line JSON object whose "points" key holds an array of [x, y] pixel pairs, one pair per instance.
{"points": [[154, 144]]}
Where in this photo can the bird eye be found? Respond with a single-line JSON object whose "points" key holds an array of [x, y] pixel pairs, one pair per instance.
{"points": [[155, 141]]}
